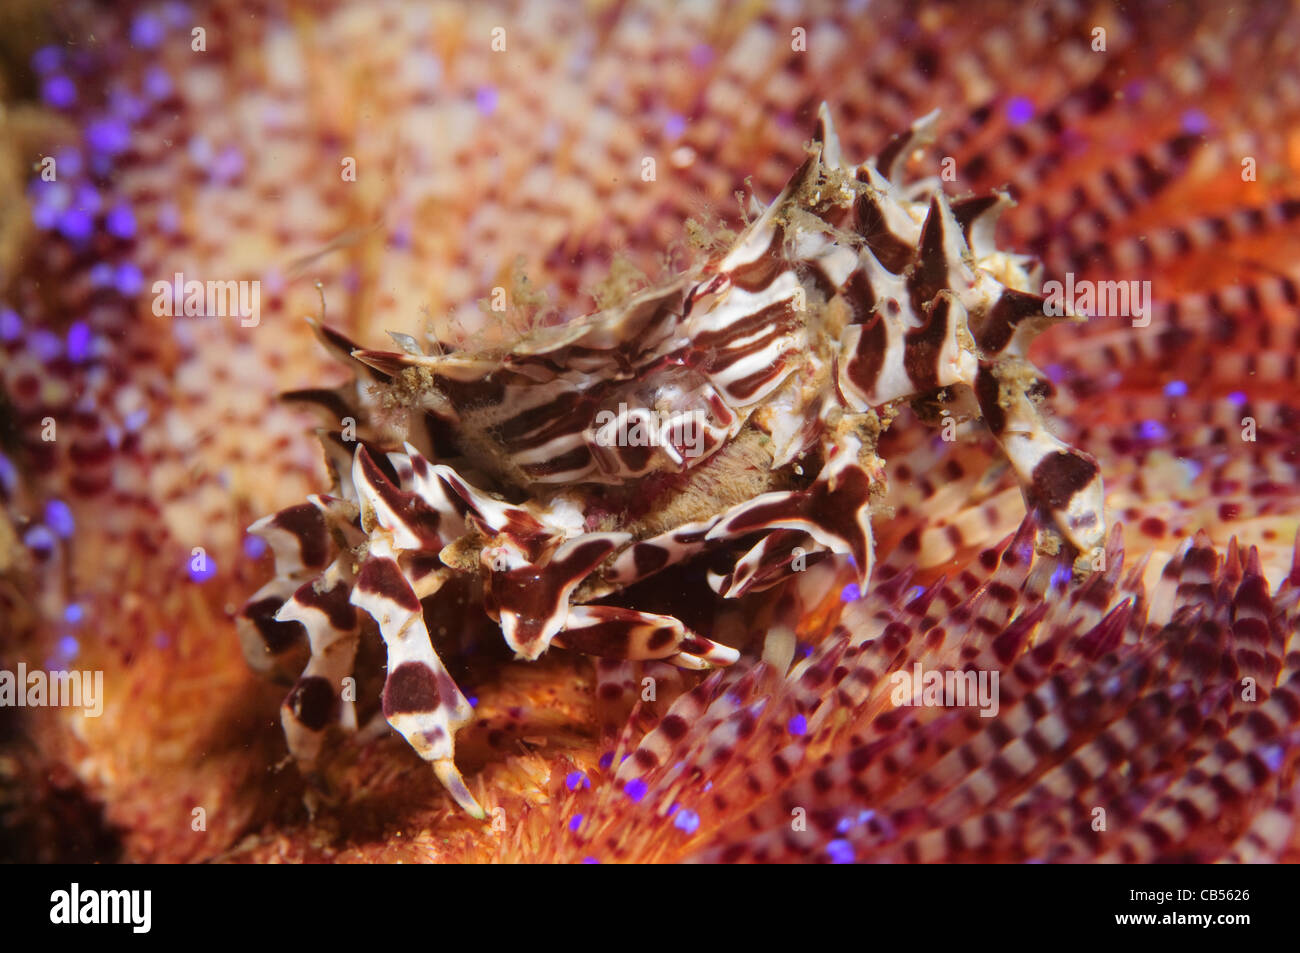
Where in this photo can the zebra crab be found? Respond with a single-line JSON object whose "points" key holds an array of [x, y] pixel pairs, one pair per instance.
{"points": [[717, 431]]}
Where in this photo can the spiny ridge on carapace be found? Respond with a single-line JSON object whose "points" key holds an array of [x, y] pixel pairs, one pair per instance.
{"points": [[669, 475]]}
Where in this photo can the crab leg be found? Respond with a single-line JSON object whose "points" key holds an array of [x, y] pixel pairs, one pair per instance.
{"points": [[420, 699], [835, 511], [317, 700], [615, 632]]}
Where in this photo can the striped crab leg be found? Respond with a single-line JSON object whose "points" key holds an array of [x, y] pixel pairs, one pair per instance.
{"points": [[420, 700], [530, 573], [317, 699], [309, 597], [617, 633]]}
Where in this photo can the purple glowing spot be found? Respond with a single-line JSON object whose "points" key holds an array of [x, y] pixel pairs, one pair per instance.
{"points": [[840, 852], [39, 538], [1152, 430], [162, 640], [79, 341], [108, 137], [201, 568], [473, 701], [228, 165], [157, 84], [1272, 757], [68, 647], [254, 546], [129, 279], [177, 15], [687, 821], [701, 55], [125, 106], [486, 98], [73, 614], [1019, 111], [101, 275], [8, 476], [575, 822], [913, 594], [1060, 576], [672, 808], [798, 726], [47, 59], [606, 760], [58, 517], [44, 217], [147, 31], [88, 199], [51, 195], [120, 222], [635, 790], [807, 651], [59, 92], [1237, 397], [1055, 373], [137, 419], [675, 126], [590, 860], [1195, 122], [45, 345], [708, 787], [844, 824], [76, 225], [851, 593], [69, 162], [11, 326], [576, 779], [1176, 389]]}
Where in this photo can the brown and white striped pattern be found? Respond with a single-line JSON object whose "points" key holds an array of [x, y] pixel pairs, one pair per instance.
{"points": [[619, 436]]}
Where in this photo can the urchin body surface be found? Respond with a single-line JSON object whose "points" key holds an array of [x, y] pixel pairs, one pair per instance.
{"points": [[722, 427]]}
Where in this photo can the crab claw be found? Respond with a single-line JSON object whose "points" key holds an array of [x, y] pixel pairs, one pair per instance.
{"points": [[770, 562], [835, 511], [531, 600]]}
